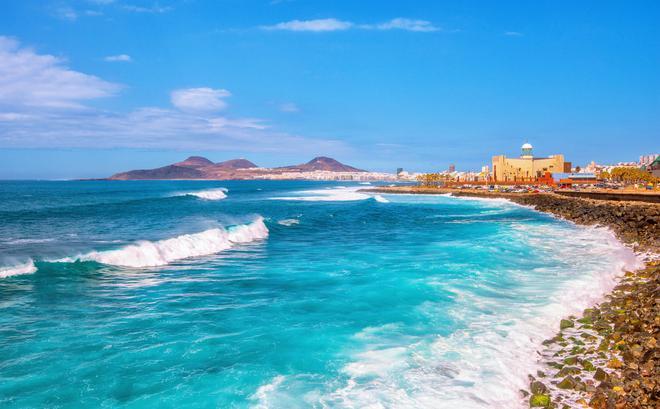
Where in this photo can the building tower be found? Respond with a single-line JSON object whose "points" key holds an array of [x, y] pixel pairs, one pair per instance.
{"points": [[526, 151]]}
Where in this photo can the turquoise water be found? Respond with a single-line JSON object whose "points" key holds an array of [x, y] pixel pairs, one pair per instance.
{"points": [[280, 295]]}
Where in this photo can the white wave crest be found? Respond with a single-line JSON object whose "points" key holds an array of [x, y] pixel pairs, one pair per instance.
{"points": [[210, 194], [380, 199], [28, 241], [159, 253], [25, 268], [264, 393], [338, 194], [288, 222]]}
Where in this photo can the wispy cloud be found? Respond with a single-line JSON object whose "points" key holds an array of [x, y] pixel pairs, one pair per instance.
{"points": [[513, 33], [326, 24], [333, 24], [70, 13], [155, 9], [118, 58], [289, 107], [66, 13], [200, 99], [43, 104], [408, 24], [40, 80]]}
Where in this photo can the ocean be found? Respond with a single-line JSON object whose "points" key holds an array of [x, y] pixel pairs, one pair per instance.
{"points": [[281, 294]]}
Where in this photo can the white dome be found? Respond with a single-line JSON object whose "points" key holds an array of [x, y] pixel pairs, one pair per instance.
{"points": [[527, 146]]}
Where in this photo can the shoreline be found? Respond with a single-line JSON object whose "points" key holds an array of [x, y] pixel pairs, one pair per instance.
{"points": [[606, 357]]}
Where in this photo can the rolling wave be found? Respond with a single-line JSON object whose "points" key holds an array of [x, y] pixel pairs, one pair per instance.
{"points": [[210, 194], [337, 194], [163, 252], [288, 222], [25, 268]]}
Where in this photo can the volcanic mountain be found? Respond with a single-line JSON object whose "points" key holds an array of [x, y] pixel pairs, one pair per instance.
{"points": [[322, 163], [197, 167], [194, 162]]}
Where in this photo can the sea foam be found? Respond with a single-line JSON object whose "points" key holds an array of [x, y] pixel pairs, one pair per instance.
{"points": [[210, 194], [336, 194], [159, 253], [24, 268], [487, 364]]}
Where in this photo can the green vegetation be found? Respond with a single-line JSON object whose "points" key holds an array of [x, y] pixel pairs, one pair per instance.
{"points": [[433, 179], [629, 175]]}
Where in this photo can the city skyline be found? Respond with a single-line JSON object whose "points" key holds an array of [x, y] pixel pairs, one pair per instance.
{"points": [[91, 87]]}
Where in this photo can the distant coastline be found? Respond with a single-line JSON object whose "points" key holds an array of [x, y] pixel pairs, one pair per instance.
{"points": [[200, 168]]}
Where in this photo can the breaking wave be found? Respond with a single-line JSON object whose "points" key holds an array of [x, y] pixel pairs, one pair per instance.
{"points": [[25, 268], [210, 194], [288, 222], [159, 253], [337, 194]]}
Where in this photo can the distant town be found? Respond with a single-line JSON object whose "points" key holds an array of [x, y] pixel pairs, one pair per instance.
{"points": [[551, 171]]}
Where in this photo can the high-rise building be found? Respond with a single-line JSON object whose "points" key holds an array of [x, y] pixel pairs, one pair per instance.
{"points": [[647, 159], [452, 168]]}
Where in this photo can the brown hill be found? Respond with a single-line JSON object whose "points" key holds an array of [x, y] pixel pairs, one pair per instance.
{"points": [[236, 164], [322, 163], [166, 172], [194, 162]]}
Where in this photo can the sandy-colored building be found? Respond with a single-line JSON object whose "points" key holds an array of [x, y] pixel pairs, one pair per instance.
{"points": [[527, 167]]}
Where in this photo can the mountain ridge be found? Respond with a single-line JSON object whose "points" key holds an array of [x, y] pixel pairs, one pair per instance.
{"points": [[199, 167]]}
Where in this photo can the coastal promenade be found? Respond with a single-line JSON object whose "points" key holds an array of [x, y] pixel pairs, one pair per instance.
{"points": [[609, 357]]}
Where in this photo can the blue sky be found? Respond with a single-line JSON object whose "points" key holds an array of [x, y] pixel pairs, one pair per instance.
{"points": [[92, 87]]}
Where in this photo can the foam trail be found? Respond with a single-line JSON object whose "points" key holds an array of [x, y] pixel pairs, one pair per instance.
{"points": [[159, 253], [338, 194], [288, 222], [210, 194], [380, 199], [28, 241], [25, 268]]}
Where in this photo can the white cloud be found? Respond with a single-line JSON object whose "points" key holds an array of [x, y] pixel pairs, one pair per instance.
{"points": [[31, 79], [326, 24], [408, 25], [156, 128], [66, 13], [14, 116], [289, 107], [118, 58], [42, 106], [332, 24], [199, 100], [155, 9]]}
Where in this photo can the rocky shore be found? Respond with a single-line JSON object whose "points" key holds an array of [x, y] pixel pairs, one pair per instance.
{"points": [[609, 357]]}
